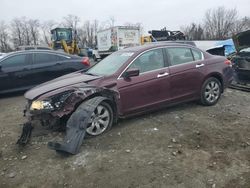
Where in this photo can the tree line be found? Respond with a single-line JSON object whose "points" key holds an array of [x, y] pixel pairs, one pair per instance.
{"points": [[23, 31], [217, 24]]}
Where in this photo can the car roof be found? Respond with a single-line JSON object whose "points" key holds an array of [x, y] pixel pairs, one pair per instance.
{"points": [[35, 51], [30, 47], [155, 45]]}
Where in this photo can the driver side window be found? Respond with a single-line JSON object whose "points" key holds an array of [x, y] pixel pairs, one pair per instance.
{"points": [[149, 61]]}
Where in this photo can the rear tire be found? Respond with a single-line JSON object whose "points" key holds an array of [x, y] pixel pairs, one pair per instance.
{"points": [[210, 91]]}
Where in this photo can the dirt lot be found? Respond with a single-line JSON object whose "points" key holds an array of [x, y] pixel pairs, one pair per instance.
{"points": [[184, 146]]}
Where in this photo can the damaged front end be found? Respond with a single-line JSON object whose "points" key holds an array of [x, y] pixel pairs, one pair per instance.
{"points": [[71, 106], [241, 61]]}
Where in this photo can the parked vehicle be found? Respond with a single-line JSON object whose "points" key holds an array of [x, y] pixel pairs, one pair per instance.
{"points": [[128, 82], [223, 48], [25, 69], [116, 38], [166, 35], [189, 42], [241, 61], [162, 35], [65, 39]]}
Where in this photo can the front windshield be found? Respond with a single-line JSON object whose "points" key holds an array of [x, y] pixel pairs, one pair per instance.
{"points": [[110, 64], [63, 34]]}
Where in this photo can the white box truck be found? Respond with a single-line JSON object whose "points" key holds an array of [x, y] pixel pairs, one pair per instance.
{"points": [[116, 38]]}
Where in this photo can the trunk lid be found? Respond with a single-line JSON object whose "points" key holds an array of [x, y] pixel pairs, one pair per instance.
{"points": [[242, 40]]}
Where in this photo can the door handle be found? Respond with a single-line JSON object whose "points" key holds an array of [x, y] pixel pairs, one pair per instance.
{"points": [[199, 65], [162, 74]]}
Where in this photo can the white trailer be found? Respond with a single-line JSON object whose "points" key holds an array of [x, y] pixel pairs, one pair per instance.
{"points": [[116, 38]]}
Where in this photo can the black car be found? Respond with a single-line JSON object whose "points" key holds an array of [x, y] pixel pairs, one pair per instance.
{"points": [[24, 69]]}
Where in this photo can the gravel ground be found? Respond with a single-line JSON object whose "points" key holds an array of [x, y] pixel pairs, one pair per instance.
{"points": [[183, 146]]}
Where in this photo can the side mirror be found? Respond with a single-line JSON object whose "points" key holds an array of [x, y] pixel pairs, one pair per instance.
{"points": [[131, 73]]}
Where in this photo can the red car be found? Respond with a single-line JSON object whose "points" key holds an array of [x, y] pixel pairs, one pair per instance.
{"points": [[128, 82]]}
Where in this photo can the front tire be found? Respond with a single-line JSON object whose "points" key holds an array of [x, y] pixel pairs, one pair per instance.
{"points": [[211, 91], [101, 120]]}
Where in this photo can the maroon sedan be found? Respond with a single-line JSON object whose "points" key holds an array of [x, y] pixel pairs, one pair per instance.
{"points": [[129, 82]]}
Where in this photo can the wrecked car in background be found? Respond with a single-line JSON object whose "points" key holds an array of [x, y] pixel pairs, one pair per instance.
{"points": [[223, 48], [241, 61], [126, 83]]}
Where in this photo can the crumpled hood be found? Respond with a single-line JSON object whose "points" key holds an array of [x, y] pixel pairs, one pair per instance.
{"points": [[242, 40], [60, 82]]}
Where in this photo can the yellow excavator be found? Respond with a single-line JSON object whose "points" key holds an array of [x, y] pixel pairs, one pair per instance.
{"points": [[64, 39]]}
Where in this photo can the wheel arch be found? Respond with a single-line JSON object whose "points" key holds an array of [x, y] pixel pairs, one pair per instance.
{"points": [[110, 98], [218, 76]]}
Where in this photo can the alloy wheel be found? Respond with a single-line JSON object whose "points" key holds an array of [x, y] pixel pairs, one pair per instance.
{"points": [[212, 91], [100, 120]]}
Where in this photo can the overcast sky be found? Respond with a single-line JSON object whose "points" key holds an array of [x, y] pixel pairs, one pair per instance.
{"points": [[153, 14]]}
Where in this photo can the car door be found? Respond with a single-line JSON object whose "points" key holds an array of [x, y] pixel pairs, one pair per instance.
{"points": [[149, 88], [47, 66], [15, 72], [187, 70]]}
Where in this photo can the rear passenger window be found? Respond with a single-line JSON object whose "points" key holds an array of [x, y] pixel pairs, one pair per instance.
{"points": [[45, 58], [197, 55], [179, 55]]}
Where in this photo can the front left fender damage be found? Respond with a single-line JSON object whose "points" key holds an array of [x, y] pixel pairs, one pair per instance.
{"points": [[75, 101], [76, 127]]}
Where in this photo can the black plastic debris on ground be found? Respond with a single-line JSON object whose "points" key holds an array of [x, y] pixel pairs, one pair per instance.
{"points": [[76, 127]]}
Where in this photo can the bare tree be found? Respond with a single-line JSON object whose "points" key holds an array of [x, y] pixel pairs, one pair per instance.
{"points": [[81, 37], [17, 32], [26, 31], [108, 23], [87, 34], [193, 31], [218, 23], [46, 27], [241, 25], [95, 27], [34, 27], [4, 38], [71, 21]]}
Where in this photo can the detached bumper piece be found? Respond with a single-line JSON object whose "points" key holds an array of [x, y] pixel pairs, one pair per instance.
{"points": [[26, 133], [76, 127], [240, 84]]}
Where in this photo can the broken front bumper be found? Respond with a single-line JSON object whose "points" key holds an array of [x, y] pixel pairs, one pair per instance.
{"points": [[75, 128]]}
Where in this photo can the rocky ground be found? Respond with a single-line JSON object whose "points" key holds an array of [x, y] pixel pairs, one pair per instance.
{"points": [[184, 146]]}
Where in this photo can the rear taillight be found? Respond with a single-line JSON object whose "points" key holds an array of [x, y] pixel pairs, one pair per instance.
{"points": [[228, 62], [85, 61]]}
